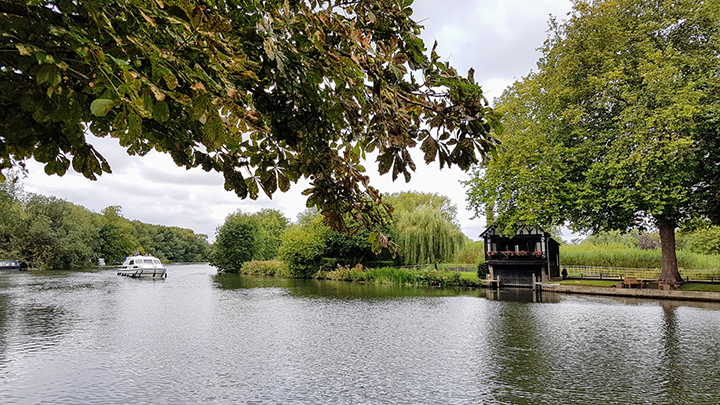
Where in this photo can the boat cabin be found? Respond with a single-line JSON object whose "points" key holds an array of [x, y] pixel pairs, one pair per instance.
{"points": [[142, 266], [9, 265], [519, 259]]}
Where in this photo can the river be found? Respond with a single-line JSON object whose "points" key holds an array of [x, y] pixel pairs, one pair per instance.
{"points": [[197, 337]]}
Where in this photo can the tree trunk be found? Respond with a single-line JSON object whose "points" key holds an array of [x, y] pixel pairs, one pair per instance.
{"points": [[670, 271]]}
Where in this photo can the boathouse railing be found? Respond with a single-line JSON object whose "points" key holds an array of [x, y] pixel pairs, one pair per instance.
{"points": [[647, 274]]}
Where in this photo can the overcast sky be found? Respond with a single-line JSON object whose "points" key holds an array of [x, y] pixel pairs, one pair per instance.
{"points": [[499, 39]]}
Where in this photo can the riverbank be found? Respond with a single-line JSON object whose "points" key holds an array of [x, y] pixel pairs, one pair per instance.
{"points": [[708, 296], [429, 277], [439, 278]]}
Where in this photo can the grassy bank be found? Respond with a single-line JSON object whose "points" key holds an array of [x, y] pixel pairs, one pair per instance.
{"points": [[593, 283], [612, 283], [700, 287], [382, 275]]}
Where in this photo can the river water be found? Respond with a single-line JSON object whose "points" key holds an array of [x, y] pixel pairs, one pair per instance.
{"points": [[198, 337]]}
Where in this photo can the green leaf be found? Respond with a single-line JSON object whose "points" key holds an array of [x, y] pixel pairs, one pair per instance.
{"points": [[283, 182], [49, 74], [123, 64], [161, 112], [101, 106], [170, 80], [134, 126]]}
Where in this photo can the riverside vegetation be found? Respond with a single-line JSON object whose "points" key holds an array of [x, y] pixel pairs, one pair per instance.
{"points": [[607, 249], [426, 231], [698, 249], [381, 275]]}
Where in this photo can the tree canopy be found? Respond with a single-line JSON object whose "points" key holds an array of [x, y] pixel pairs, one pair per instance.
{"points": [[245, 236], [618, 128], [425, 228], [236, 242], [264, 92]]}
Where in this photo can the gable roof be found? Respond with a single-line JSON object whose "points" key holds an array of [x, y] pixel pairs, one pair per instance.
{"points": [[522, 230]]}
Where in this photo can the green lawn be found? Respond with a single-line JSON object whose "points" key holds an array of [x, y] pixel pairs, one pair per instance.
{"points": [[700, 287], [468, 275], [611, 283], [594, 283]]}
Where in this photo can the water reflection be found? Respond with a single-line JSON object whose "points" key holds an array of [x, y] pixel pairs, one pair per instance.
{"points": [[526, 295]]}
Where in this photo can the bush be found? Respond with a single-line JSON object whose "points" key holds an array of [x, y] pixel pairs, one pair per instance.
{"points": [[482, 270], [328, 263], [269, 268], [392, 275], [302, 248], [703, 241]]}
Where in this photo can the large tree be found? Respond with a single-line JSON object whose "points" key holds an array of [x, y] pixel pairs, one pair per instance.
{"points": [[618, 128], [235, 242], [265, 92], [425, 228], [271, 224]]}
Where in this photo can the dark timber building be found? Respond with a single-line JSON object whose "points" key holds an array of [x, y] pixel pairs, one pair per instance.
{"points": [[518, 260]]}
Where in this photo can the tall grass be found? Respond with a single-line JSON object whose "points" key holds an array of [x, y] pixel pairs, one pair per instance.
{"points": [[270, 268], [392, 275], [471, 253], [617, 255]]}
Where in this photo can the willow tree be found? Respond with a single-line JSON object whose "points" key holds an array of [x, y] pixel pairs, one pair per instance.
{"points": [[264, 92], [425, 228], [618, 129]]}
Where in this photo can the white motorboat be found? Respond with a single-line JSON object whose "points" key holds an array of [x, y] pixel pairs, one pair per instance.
{"points": [[9, 265], [142, 266]]}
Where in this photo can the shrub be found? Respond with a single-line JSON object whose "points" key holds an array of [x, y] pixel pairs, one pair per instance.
{"points": [[392, 275], [482, 270], [265, 268], [703, 241], [302, 248]]}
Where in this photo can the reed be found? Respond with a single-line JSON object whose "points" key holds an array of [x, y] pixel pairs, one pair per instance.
{"points": [[392, 275], [616, 255]]}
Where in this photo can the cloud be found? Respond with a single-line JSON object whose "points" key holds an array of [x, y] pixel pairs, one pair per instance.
{"points": [[499, 39]]}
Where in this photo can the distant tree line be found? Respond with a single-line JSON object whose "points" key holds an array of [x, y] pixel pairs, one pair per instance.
{"points": [[49, 232]]}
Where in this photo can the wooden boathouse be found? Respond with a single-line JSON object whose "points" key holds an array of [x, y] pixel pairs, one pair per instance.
{"points": [[518, 260]]}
